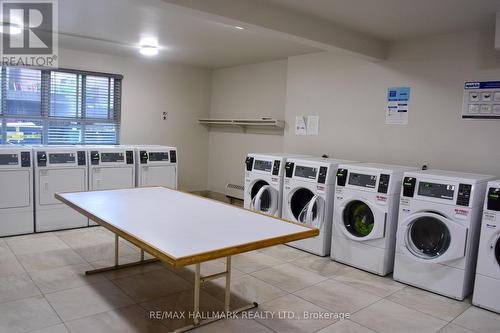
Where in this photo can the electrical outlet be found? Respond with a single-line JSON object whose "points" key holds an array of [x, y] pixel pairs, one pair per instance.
{"points": [[164, 115]]}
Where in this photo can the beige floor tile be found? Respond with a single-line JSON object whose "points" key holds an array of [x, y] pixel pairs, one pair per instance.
{"points": [[386, 316], [27, 245], [452, 328], [346, 326], [233, 325], [207, 268], [87, 300], [130, 319], [337, 296], [435, 305], [285, 253], [244, 290], [85, 237], [153, 284], [4, 249], [323, 266], [254, 261], [14, 287], [26, 315], [67, 277], [107, 262], [134, 270], [181, 304], [9, 265], [104, 250], [377, 285], [50, 259], [479, 320], [288, 277], [299, 321], [53, 329]]}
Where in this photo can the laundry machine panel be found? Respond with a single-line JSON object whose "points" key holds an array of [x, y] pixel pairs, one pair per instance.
{"points": [[111, 178], [159, 175], [52, 181], [15, 185]]}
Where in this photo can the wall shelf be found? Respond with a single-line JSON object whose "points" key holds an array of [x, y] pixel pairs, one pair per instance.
{"points": [[260, 122]]}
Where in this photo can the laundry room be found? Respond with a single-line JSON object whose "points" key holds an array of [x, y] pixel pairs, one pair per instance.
{"points": [[250, 166]]}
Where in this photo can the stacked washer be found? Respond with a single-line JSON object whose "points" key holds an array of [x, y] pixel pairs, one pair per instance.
{"points": [[366, 215], [438, 230], [487, 282], [264, 182], [111, 167], [16, 190], [308, 194], [156, 166]]}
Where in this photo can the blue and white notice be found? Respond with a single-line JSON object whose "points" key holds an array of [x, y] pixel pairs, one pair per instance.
{"points": [[398, 100], [481, 100]]}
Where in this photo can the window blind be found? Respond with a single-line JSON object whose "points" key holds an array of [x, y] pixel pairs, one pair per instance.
{"points": [[44, 106]]}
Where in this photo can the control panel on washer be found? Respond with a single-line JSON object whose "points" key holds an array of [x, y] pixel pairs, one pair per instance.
{"points": [[372, 182], [263, 165], [45, 159], [460, 193], [107, 157], [305, 172]]}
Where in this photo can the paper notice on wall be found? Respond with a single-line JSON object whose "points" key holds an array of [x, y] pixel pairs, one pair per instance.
{"points": [[398, 100], [312, 125], [300, 125], [481, 100]]}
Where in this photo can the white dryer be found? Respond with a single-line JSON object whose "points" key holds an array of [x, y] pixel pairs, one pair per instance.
{"points": [[438, 230], [16, 190], [156, 166], [110, 168], [308, 194], [366, 215], [58, 169], [487, 283], [264, 182]]}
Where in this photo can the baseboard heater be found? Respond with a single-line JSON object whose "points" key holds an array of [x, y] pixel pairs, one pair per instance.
{"points": [[234, 191]]}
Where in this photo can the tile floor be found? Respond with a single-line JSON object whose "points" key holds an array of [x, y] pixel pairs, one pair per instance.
{"points": [[43, 288]]}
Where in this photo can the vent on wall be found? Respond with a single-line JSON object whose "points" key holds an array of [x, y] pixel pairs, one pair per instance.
{"points": [[234, 191]]}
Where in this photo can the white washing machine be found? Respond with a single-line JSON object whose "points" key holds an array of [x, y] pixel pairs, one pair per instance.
{"points": [[438, 230], [58, 169], [264, 182], [156, 166], [487, 285], [16, 190], [308, 194], [366, 215], [110, 168]]}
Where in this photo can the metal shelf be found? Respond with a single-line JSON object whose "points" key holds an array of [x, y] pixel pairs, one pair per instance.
{"points": [[261, 122]]}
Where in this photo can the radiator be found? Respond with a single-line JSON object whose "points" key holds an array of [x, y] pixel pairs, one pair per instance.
{"points": [[235, 191]]}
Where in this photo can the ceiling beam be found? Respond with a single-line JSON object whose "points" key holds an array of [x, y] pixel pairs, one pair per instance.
{"points": [[261, 16]]}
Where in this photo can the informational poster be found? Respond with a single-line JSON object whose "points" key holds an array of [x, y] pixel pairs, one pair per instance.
{"points": [[398, 100], [481, 100], [300, 125], [312, 125]]}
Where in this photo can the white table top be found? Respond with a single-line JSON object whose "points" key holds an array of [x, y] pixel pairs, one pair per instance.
{"points": [[182, 228]]}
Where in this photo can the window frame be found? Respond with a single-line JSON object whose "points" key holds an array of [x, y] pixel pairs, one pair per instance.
{"points": [[80, 119]]}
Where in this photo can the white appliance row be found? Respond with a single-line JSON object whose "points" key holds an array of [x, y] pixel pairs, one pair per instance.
{"points": [[30, 176], [422, 224]]}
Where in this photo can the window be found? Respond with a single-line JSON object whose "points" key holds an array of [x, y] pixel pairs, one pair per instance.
{"points": [[44, 106]]}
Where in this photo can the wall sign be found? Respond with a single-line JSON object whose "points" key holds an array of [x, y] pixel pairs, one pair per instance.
{"points": [[398, 100], [481, 100]]}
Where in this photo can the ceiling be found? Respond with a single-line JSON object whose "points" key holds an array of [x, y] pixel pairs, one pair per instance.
{"points": [[117, 26], [394, 20]]}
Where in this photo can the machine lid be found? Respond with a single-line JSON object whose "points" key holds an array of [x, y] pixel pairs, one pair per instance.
{"points": [[358, 218], [428, 237], [265, 200], [256, 187], [299, 201]]}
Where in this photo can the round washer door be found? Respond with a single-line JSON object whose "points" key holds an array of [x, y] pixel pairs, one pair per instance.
{"points": [[264, 198], [430, 237], [359, 220], [307, 207], [497, 251]]}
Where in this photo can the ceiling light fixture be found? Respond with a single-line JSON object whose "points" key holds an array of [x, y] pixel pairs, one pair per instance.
{"points": [[239, 28], [148, 50], [10, 28]]}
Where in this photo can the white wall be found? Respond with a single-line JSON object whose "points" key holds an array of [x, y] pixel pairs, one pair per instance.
{"points": [[149, 88], [349, 96], [244, 92]]}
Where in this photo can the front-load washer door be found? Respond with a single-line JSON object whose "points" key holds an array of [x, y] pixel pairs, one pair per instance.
{"points": [[266, 200], [359, 220], [112, 178], [307, 207], [52, 181], [254, 189], [433, 238], [15, 188]]}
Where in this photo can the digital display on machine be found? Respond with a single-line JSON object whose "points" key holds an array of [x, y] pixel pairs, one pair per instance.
{"points": [[158, 156], [112, 157], [359, 179], [435, 190], [9, 159], [263, 165], [305, 172], [61, 158]]}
